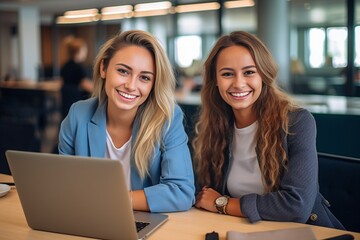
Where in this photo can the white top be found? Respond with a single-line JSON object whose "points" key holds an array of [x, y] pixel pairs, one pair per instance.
{"points": [[244, 176], [121, 154]]}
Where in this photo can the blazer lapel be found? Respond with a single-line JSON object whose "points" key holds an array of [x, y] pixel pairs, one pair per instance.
{"points": [[97, 132]]}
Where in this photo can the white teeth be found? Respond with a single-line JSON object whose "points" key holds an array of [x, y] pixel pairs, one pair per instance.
{"points": [[242, 94], [127, 95]]}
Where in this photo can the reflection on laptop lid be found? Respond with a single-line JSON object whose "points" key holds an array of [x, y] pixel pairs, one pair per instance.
{"points": [[78, 196]]}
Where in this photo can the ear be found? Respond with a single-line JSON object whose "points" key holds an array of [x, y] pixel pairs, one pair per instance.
{"points": [[102, 71]]}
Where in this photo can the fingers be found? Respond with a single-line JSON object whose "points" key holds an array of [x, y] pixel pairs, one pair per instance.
{"points": [[206, 199]]}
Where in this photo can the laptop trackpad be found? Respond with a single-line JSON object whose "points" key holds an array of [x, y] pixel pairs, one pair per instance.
{"points": [[154, 220]]}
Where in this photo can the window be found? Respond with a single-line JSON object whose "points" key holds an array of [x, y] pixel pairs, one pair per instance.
{"points": [[316, 47], [357, 46], [187, 49], [337, 46], [329, 47]]}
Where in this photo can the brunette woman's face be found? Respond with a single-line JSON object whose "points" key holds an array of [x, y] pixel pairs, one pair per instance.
{"points": [[238, 80], [130, 76]]}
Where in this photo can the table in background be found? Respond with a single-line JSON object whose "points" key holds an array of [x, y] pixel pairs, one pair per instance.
{"points": [[192, 224], [23, 100], [49, 85]]}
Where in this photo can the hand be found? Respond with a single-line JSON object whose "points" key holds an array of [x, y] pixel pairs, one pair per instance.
{"points": [[206, 199]]}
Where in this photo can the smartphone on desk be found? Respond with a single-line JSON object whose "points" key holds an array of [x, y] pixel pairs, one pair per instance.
{"points": [[212, 236], [341, 237]]}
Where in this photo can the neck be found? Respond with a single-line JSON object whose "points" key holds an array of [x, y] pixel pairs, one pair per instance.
{"points": [[122, 119], [119, 126], [244, 118]]}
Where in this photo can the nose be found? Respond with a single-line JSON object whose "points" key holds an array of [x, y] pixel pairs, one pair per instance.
{"points": [[239, 81], [130, 84]]}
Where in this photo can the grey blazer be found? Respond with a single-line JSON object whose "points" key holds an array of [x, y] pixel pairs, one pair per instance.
{"points": [[298, 198]]}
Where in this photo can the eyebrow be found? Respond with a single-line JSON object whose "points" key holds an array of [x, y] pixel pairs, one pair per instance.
{"points": [[130, 68], [244, 68]]}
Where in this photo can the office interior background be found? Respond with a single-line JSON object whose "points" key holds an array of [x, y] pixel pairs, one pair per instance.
{"points": [[316, 44]]}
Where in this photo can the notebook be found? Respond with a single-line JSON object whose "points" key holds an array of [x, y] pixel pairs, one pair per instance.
{"points": [[77, 196], [297, 233]]}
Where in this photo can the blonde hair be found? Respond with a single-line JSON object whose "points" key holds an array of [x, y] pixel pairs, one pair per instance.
{"points": [[155, 113], [216, 121], [73, 46]]}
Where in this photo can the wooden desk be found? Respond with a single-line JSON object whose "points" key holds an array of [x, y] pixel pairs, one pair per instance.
{"points": [[190, 225]]}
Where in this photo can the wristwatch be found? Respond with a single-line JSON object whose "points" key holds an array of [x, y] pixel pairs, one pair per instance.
{"points": [[221, 203]]}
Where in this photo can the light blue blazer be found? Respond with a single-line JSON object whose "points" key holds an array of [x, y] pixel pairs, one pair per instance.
{"points": [[170, 184]]}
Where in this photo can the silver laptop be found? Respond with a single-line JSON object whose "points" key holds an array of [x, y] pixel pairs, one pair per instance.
{"points": [[78, 196]]}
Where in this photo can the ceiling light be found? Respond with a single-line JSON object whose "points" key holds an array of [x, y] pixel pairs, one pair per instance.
{"points": [[151, 13], [116, 16], [67, 20], [81, 13], [197, 7], [117, 10], [152, 6], [239, 4]]}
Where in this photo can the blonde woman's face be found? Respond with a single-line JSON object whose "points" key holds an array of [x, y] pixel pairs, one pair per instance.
{"points": [[238, 80], [130, 76]]}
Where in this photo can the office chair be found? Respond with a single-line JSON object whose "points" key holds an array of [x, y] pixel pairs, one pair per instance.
{"points": [[339, 180], [17, 135]]}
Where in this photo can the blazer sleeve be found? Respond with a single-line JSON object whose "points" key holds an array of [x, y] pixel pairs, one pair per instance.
{"points": [[299, 185], [175, 190]]}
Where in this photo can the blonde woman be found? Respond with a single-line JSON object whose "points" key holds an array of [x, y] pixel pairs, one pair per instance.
{"points": [[132, 118], [255, 151]]}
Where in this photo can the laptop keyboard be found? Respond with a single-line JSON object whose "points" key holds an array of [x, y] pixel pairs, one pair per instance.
{"points": [[141, 225]]}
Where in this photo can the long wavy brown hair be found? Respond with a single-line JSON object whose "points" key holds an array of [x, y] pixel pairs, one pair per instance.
{"points": [[215, 126]]}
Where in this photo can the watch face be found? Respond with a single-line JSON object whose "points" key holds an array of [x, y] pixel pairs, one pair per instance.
{"points": [[221, 201]]}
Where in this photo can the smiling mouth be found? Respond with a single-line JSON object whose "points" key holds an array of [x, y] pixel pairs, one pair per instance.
{"points": [[126, 95], [241, 94]]}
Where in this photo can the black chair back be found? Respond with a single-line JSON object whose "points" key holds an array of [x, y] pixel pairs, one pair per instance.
{"points": [[339, 180], [17, 136]]}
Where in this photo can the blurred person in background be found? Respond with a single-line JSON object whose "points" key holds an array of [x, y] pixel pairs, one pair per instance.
{"points": [[76, 84]]}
